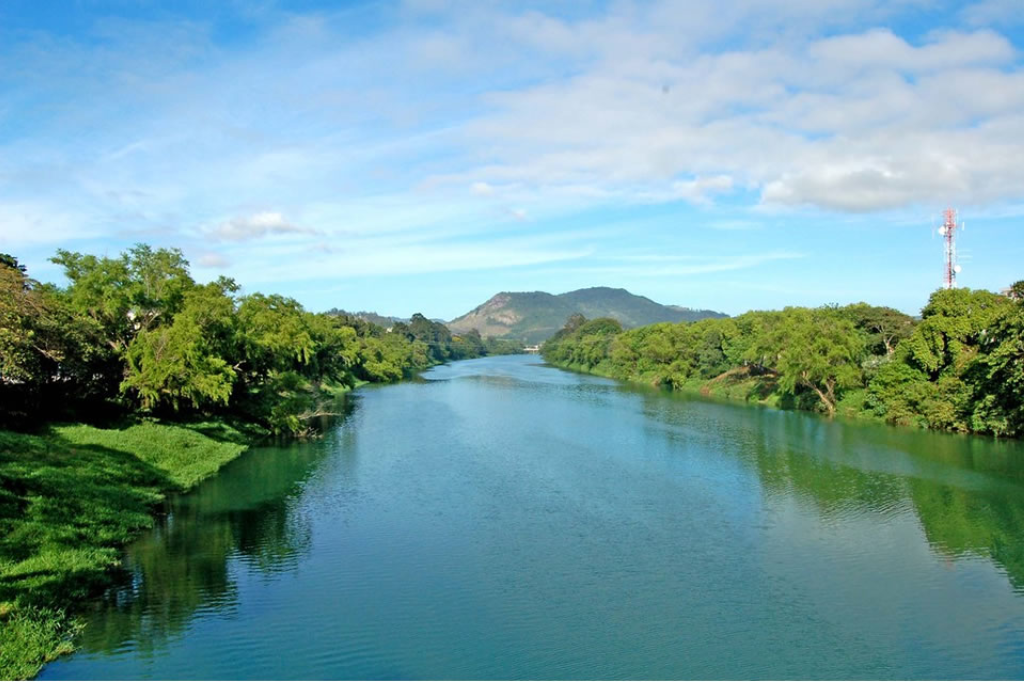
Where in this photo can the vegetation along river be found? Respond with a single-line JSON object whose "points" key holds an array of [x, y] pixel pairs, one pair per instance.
{"points": [[503, 519]]}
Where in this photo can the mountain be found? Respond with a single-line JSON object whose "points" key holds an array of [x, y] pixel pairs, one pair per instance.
{"points": [[385, 321], [534, 316]]}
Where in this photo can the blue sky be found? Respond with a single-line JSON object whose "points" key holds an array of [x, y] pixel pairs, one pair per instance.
{"points": [[422, 156]]}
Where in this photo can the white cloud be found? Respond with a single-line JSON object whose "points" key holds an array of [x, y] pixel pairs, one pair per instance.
{"points": [[699, 190], [835, 123], [704, 101], [211, 259], [257, 225], [996, 13], [880, 48]]}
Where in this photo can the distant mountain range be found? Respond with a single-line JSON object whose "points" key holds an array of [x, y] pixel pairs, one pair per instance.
{"points": [[385, 321], [535, 316]]}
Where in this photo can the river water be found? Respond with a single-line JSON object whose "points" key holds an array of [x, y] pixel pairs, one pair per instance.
{"points": [[503, 519]]}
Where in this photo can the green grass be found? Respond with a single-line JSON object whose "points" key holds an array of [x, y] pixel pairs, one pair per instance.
{"points": [[70, 498], [31, 637], [184, 454]]}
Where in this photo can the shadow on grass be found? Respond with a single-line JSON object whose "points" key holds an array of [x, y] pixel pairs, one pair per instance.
{"points": [[228, 431], [72, 496], [65, 509]]}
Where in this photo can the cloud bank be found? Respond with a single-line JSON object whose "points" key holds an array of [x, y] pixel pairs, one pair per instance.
{"points": [[437, 130]]}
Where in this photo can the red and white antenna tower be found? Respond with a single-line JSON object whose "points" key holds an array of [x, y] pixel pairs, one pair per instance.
{"points": [[948, 232]]}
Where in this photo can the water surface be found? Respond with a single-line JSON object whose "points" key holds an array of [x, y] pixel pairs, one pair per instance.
{"points": [[504, 519]]}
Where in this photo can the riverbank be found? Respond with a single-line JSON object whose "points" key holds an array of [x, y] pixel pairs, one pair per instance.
{"points": [[70, 498], [736, 387], [958, 368]]}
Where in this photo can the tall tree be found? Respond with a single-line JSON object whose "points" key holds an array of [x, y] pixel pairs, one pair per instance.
{"points": [[885, 327], [189, 359], [955, 325], [129, 294], [819, 350], [1000, 390]]}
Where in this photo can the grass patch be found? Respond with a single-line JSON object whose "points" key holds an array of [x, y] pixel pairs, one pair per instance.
{"points": [[184, 454], [70, 498], [32, 637]]}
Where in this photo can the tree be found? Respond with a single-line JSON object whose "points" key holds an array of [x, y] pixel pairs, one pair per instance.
{"points": [[885, 327], [468, 345], [185, 360], [1017, 290], [274, 333], [390, 357], [1000, 406], [9, 261], [22, 306], [43, 347], [901, 394], [336, 349], [955, 326], [126, 295], [815, 349], [434, 334], [714, 336]]}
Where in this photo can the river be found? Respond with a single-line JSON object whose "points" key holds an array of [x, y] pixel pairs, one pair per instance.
{"points": [[499, 518]]}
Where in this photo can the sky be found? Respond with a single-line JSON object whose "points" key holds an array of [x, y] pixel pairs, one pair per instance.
{"points": [[421, 156]]}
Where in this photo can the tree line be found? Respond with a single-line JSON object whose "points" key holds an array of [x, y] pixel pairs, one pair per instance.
{"points": [[959, 367], [136, 334]]}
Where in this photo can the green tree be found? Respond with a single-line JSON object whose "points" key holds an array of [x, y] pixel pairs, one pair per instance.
{"points": [[275, 334], [1000, 401], [1017, 291], [434, 335], [954, 328], [816, 349], [185, 360], [42, 348], [126, 295], [885, 327], [21, 306], [336, 350], [390, 357], [468, 345], [9, 261]]}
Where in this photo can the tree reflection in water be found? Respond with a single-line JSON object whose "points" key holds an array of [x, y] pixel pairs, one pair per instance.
{"points": [[246, 514], [967, 492]]}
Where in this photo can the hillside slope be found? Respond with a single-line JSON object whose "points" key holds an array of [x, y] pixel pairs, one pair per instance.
{"points": [[534, 316]]}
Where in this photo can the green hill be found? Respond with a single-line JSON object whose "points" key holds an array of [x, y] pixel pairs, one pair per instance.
{"points": [[534, 316]]}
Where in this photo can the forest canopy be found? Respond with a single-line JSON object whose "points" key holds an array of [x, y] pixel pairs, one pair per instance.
{"points": [[960, 367], [136, 334]]}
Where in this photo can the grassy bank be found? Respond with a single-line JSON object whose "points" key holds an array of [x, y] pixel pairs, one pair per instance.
{"points": [[70, 498]]}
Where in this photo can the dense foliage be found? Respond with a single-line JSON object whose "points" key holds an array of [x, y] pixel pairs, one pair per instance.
{"points": [[960, 367], [136, 334]]}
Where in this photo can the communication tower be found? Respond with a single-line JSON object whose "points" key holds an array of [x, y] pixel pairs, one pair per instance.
{"points": [[948, 234]]}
